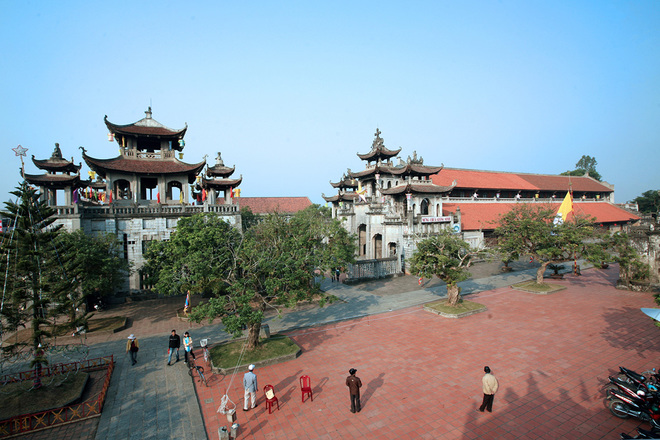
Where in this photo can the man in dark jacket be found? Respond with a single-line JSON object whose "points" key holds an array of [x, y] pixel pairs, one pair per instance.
{"points": [[175, 343], [353, 383]]}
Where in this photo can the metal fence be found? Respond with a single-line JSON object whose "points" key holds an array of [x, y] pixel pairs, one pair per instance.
{"points": [[59, 416], [369, 269]]}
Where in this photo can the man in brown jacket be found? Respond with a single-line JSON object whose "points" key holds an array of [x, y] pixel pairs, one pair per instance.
{"points": [[353, 383], [490, 388]]}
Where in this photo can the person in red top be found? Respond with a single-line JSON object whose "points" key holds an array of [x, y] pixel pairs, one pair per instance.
{"points": [[353, 383]]}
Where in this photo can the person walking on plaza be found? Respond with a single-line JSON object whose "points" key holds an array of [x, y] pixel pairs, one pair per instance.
{"points": [[490, 385], [250, 386], [354, 383], [132, 347], [188, 347], [175, 343]]}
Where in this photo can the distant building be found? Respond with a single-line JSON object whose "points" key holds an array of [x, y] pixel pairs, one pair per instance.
{"points": [[281, 205], [393, 204]]}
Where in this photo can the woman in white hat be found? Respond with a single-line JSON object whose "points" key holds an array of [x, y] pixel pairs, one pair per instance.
{"points": [[132, 347]]}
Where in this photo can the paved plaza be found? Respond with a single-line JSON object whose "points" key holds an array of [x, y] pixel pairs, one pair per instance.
{"points": [[421, 373]]}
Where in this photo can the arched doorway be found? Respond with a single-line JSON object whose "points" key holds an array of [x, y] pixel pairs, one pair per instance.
{"points": [[123, 190], [424, 207], [377, 241], [391, 249], [362, 240], [174, 191]]}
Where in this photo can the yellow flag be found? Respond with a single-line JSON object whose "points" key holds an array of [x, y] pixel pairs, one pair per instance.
{"points": [[566, 206]]}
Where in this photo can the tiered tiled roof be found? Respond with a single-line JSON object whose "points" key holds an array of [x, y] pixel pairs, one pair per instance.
{"points": [[378, 150], [348, 197], [56, 163], [345, 182], [140, 166], [416, 186], [221, 184], [148, 127], [219, 169], [53, 180], [267, 205], [494, 180], [484, 215]]}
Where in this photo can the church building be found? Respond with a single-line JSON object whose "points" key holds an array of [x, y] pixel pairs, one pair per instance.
{"points": [[393, 203], [140, 194]]}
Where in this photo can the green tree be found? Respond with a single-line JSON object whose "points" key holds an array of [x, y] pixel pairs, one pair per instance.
{"points": [[32, 270], [248, 218], [447, 257], [631, 265], [586, 165], [199, 257], [529, 230], [95, 267], [271, 266], [648, 202]]}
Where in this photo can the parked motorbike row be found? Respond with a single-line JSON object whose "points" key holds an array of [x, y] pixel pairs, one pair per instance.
{"points": [[631, 394]]}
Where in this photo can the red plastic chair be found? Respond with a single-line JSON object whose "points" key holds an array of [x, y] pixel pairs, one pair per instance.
{"points": [[306, 387], [272, 400]]}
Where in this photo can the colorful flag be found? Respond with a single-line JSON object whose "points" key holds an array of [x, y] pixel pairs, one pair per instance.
{"points": [[565, 208], [187, 305], [362, 195]]}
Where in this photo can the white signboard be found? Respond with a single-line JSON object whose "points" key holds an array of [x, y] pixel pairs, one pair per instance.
{"points": [[436, 219]]}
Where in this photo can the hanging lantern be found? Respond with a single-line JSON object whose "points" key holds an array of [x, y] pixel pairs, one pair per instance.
{"points": [[180, 155], [92, 174], [182, 143], [111, 137]]}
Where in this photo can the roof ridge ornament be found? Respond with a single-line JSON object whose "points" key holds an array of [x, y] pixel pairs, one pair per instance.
{"points": [[378, 142], [148, 112], [57, 153]]}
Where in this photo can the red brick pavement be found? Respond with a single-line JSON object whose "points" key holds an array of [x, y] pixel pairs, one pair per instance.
{"points": [[421, 373]]}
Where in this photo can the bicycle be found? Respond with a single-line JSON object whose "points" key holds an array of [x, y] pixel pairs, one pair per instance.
{"points": [[200, 371]]}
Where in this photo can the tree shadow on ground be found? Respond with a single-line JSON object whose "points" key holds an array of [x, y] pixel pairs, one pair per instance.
{"points": [[629, 328]]}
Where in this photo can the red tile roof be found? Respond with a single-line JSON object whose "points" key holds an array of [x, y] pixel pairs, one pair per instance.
{"points": [[495, 180], [266, 205], [476, 216], [143, 166]]}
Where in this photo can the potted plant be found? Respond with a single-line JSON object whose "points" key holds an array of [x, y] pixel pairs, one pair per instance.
{"points": [[556, 268]]}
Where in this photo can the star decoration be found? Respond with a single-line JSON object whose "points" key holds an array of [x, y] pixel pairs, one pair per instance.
{"points": [[20, 151]]}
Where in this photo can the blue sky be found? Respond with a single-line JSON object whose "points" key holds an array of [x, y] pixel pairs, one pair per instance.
{"points": [[289, 92]]}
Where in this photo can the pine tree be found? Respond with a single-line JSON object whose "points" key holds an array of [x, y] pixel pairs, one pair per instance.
{"points": [[31, 271]]}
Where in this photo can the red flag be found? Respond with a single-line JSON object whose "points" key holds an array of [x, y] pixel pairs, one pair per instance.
{"points": [[231, 192], [110, 196], [204, 195], [158, 197]]}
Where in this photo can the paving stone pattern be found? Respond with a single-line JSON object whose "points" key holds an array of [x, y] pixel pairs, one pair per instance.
{"points": [[421, 373]]}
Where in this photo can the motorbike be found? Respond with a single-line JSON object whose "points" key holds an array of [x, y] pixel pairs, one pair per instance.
{"points": [[641, 434], [623, 406], [640, 379], [632, 388]]}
